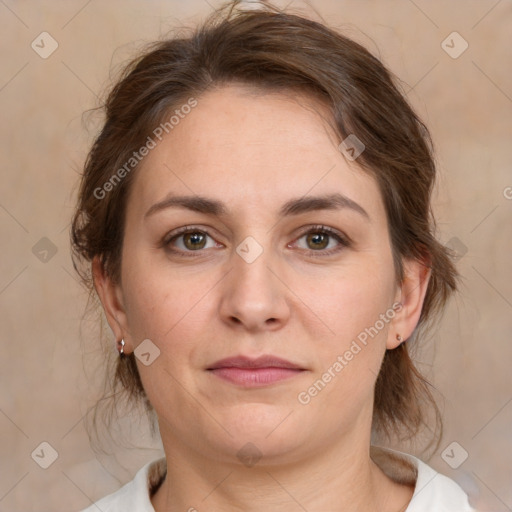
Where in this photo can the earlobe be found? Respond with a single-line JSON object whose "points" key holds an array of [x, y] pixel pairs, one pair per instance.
{"points": [[110, 295], [412, 292]]}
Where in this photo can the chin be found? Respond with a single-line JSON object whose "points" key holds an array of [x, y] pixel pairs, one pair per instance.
{"points": [[270, 429]]}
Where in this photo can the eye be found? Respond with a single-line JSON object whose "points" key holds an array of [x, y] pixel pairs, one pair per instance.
{"points": [[188, 239], [319, 238]]}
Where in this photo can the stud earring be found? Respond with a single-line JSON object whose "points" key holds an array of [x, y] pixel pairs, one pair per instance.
{"points": [[121, 349], [399, 338]]}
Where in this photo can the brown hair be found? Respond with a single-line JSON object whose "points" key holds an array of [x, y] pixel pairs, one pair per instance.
{"points": [[272, 49]]}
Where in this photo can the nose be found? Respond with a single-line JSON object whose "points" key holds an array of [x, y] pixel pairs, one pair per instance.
{"points": [[254, 295]]}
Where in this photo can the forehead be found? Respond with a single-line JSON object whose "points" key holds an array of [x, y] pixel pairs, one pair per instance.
{"points": [[252, 149]]}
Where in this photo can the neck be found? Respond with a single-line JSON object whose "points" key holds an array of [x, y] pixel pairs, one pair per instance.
{"points": [[342, 477]]}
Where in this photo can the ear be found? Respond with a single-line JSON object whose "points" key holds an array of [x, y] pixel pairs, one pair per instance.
{"points": [[111, 297], [411, 295]]}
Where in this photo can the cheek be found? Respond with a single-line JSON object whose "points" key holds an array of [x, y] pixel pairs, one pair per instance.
{"points": [[349, 361], [166, 309], [166, 304], [353, 300], [152, 300], [356, 308]]}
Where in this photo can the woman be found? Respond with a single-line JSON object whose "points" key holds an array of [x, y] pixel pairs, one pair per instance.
{"points": [[255, 217]]}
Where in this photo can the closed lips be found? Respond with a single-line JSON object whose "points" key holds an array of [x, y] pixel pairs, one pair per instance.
{"points": [[250, 363], [250, 373]]}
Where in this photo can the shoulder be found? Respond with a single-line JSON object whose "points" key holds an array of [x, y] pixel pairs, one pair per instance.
{"points": [[432, 490], [135, 495], [435, 491]]}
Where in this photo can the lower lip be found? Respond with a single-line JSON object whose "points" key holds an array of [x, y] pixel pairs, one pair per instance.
{"points": [[254, 377]]}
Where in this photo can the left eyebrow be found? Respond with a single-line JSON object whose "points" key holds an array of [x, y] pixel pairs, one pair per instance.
{"points": [[294, 206]]}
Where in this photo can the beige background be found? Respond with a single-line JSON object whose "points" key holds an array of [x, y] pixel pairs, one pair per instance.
{"points": [[45, 391]]}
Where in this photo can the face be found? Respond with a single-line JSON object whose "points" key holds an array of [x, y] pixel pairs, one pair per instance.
{"points": [[262, 270]]}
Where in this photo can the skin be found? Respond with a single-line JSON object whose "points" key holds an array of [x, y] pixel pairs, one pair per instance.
{"points": [[254, 151]]}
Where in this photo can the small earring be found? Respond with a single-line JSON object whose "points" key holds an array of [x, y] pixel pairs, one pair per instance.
{"points": [[121, 350], [399, 338]]}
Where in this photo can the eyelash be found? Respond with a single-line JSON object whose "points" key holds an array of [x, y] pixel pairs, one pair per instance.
{"points": [[343, 240]]}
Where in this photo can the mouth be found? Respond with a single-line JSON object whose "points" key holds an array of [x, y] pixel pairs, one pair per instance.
{"points": [[248, 372]]}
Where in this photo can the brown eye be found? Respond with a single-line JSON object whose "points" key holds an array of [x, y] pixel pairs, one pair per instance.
{"points": [[318, 240], [195, 240], [323, 241], [188, 240]]}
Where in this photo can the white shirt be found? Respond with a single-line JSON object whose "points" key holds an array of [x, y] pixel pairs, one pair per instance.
{"points": [[432, 491]]}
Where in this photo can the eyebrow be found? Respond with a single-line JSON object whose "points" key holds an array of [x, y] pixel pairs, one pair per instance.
{"points": [[295, 206]]}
